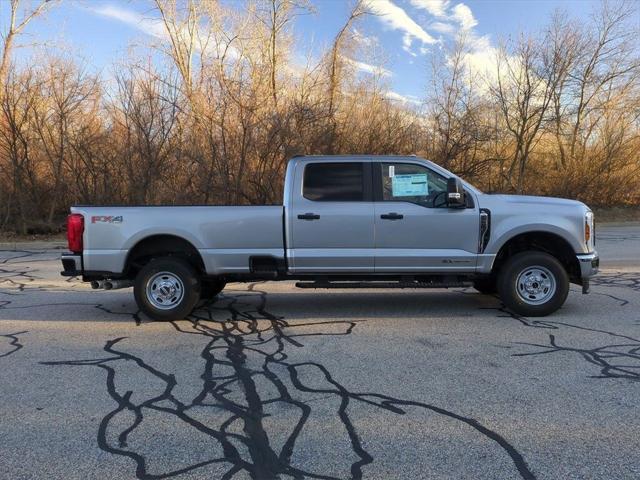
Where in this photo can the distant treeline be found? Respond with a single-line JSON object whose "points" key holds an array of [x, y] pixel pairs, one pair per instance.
{"points": [[212, 112]]}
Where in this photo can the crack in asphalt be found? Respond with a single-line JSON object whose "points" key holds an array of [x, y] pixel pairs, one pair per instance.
{"points": [[12, 277], [16, 278], [14, 341], [604, 356], [618, 279]]}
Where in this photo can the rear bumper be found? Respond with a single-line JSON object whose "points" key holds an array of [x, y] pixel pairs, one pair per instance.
{"points": [[589, 265], [71, 264]]}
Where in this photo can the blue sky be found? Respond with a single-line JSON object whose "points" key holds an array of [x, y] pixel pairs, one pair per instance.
{"points": [[401, 37]]}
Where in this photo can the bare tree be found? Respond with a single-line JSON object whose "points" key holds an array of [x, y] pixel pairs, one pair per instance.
{"points": [[66, 93], [276, 16], [335, 65], [456, 111], [183, 32], [144, 115], [15, 27], [17, 142], [522, 93], [335, 60]]}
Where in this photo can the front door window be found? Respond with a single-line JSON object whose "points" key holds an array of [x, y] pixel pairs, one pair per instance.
{"points": [[406, 182]]}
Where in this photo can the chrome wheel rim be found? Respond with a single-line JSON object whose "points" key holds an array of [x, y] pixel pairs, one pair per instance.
{"points": [[535, 285], [165, 290]]}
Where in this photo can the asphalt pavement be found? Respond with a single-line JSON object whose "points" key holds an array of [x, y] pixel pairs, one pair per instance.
{"points": [[270, 381]]}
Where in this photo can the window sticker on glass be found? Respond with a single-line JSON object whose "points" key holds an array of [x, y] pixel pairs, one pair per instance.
{"points": [[392, 171], [410, 185]]}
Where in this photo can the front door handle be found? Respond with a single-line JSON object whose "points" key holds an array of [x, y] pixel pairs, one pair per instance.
{"points": [[309, 216], [392, 216]]}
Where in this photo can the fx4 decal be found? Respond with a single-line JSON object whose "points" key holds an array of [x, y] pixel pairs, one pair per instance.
{"points": [[106, 219]]}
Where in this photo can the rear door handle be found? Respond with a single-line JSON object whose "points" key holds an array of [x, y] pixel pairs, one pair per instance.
{"points": [[392, 216], [309, 216]]}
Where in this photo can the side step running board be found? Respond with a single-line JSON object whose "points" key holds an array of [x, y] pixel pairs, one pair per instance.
{"points": [[374, 284]]}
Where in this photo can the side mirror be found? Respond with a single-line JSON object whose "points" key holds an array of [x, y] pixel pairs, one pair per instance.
{"points": [[455, 193]]}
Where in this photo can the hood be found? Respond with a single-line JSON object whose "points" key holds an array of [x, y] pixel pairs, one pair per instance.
{"points": [[534, 200]]}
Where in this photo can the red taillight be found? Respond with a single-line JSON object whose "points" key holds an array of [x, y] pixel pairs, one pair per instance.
{"points": [[75, 228]]}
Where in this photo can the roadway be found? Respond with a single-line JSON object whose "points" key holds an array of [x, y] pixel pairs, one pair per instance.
{"points": [[275, 382]]}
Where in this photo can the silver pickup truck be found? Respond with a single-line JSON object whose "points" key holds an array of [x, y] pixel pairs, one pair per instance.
{"points": [[347, 221]]}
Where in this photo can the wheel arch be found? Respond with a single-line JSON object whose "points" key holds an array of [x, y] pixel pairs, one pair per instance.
{"points": [[542, 241], [156, 245]]}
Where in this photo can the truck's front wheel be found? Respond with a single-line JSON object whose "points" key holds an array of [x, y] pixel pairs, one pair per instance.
{"points": [[533, 284], [485, 285], [167, 289]]}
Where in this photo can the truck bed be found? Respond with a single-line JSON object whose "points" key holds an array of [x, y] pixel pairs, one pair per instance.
{"points": [[226, 237]]}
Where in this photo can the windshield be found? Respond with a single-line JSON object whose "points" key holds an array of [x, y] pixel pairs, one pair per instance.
{"points": [[447, 173]]}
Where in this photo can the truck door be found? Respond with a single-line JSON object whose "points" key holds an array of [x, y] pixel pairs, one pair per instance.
{"points": [[330, 219], [415, 231]]}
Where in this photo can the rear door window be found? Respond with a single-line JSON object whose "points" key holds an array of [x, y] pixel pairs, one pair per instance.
{"points": [[334, 182]]}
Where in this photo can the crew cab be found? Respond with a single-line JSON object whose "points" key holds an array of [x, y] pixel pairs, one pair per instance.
{"points": [[347, 221]]}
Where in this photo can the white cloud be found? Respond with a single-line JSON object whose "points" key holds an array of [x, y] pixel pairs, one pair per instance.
{"points": [[481, 63], [397, 19], [448, 19], [441, 9], [437, 8], [150, 26], [367, 41], [406, 45], [442, 27], [391, 95], [368, 68], [155, 27], [396, 97], [464, 16], [456, 19]]}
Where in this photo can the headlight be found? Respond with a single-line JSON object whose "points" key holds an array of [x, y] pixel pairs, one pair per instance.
{"points": [[589, 231]]}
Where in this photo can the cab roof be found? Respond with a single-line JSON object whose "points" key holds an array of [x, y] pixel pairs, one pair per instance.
{"points": [[359, 157]]}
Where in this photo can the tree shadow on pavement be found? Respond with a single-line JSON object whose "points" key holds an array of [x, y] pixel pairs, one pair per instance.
{"points": [[247, 372]]}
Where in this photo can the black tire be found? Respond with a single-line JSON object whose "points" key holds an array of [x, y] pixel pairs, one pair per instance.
{"points": [[520, 296], [211, 288], [486, 285], [179, 275]]}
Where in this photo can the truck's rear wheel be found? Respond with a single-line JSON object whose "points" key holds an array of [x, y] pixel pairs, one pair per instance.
{"points": [[533, 284], [167, 289]]}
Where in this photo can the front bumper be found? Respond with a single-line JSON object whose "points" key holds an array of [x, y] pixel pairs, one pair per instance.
{"points": [[589, 265], [72, 265]]}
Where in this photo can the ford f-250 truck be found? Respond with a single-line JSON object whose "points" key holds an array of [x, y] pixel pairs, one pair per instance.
{"points": [[347, 221]]}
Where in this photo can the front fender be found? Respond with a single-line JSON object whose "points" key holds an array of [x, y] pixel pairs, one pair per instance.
{"points": [[510, 228]]}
